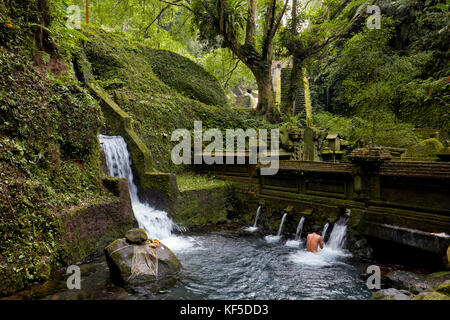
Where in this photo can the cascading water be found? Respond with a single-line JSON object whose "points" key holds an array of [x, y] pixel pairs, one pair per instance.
{"points": [[297, 242], [258, 212], [324, 232], [281, 225], [337, 236], [155, 222], [254, 227], [298, 233], [276, 238]]}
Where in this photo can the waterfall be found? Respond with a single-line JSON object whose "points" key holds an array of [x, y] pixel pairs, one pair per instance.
{"points": [[281, 225], [324, 232], [156, 223], [337, 236], [254, 227], [298, 233], [258, 212]]}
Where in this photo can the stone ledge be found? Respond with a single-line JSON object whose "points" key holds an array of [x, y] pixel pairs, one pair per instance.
{"points": [[406, 236]]}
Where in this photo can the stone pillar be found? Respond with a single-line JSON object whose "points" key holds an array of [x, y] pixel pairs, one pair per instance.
{"points": [[308, 145], [366, 178]]}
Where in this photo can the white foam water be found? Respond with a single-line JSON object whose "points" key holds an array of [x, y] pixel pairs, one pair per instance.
{"points": [[293, 243], [281, 225], [156, 223], [272, 239], [337, 236]]}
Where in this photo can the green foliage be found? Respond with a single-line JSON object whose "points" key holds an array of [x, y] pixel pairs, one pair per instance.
{"points": [[389, 132], [228, 70], [293, 121], [205, 21], [315, 25], [191, 181], [425, 102], [401, 68], [156, 23]]}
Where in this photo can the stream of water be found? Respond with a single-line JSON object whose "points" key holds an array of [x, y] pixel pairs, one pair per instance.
{"points": [[254, 227]]}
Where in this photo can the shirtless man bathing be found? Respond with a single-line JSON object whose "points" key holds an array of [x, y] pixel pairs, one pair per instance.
{"points": [[313, 241]]}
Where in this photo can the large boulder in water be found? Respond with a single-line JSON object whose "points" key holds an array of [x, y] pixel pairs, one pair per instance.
{"points": [[141, 262]]}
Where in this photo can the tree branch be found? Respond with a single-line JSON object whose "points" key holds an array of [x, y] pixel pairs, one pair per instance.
{"points": [[230, 73], [319, 47], [250, 31], [157, 17], [176, 3], [279, 18]]}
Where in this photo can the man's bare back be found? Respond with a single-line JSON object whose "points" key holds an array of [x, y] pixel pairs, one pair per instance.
{"points": [[313, 241]]}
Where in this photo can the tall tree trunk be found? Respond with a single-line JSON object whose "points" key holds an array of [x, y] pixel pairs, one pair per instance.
{"points": [[266, 95], [296, 64], [250, 32]]}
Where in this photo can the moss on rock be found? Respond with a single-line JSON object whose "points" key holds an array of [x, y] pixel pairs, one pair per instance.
{"points": [[185, 76], [200, 207], [444, 288], [426, 148], [431, 295], [120, 257]]}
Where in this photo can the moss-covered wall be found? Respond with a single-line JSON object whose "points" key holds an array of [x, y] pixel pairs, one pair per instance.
{"points": [[118, 122], [200, 207], [200, 201], [49, 150], [88, 228]]}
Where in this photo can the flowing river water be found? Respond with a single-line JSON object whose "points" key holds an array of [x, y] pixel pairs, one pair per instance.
{"points": [[224, 264]]}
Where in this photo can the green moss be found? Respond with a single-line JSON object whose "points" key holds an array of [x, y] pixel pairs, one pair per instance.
{"points": [[190, 181], [444, 288], [440, 274], [202, 206], [49, 151], [88, 228], [186, 77], [119, 122], [425, 148], [431, 295]]}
